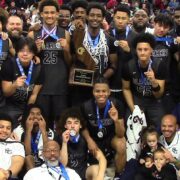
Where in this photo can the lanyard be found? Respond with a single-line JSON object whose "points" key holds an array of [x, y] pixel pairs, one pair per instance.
{"points": [[126, 34], [143, 78], [95, 41], [28, 79], [75, 139], [51, 33], [62, 172], [34, 143], [107, 107], [167, 40], [1, 46]]}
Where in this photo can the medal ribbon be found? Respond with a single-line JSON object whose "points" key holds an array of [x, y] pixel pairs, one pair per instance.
{"points": [[62, 171], [34, 143], [75, 139], [1, 45], [95, 41], [51, 33], [107, 107], [127, 31], [168, 40], [28, 79], [143, 78]]}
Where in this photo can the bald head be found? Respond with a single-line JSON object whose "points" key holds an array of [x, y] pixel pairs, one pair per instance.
{"points": [[169, 117], [50, 143], [51, 152], [169, 127]]}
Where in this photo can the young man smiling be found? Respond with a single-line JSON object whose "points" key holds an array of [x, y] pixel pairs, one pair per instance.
{"points": [[54, 52], [105, 126], [143, 80], [12, 152], [94, 50]]}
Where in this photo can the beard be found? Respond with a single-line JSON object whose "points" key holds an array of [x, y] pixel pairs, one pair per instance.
{"points": [[15, 34], [138, 27], [52, 163]]}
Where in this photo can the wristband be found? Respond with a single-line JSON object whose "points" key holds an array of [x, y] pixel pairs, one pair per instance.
{"points": [[156, 89]]}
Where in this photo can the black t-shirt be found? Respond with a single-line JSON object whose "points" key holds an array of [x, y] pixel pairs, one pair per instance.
{"points": [[167, 172], [90, 115], [123, 57], [15, 41], [10, 72], [162, 53], [78, 156], [141, 86]]}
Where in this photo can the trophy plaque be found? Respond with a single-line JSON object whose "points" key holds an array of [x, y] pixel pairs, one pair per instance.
{"points": [[81, 77]]}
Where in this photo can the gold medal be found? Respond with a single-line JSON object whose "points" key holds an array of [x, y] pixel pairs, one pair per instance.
{"points": [[80, 50]]}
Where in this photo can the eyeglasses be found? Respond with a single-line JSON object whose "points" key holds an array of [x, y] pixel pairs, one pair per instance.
{"points": [[51, 151]]}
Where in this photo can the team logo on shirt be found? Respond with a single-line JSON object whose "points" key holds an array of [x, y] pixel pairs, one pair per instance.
{"points": [[136, 119], [80, 50], [174, 150], [8, 151]]}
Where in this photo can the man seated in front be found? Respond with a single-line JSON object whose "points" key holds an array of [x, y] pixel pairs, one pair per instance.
{"points": [[52, 169], [12, 152]]}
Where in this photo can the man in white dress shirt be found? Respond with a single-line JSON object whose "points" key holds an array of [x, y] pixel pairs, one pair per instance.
{"points": [[52, 169]]}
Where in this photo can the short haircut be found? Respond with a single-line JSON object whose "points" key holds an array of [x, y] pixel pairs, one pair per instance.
{"points": [[100, 80], [123, 8], [74, 112], [97, 6], [79, 3], [159, 150], [144, 38], [27, 41], [48, 3], [6, 117], [66, 7], [164, 19], [137, 10]]}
